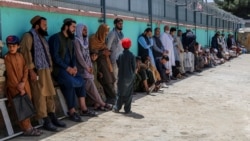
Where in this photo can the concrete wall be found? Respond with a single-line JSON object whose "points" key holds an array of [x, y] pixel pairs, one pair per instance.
{"points": [[16, 21]]}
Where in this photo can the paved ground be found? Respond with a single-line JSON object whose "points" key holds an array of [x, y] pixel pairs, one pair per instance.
{"points": [[210, 106]]}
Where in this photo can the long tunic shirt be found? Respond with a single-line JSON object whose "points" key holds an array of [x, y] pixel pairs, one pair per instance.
{"points": [[97, 83], [157, 50], [179, 43], [108, 77], [83, 60], [59, 43], [17, 72], [147, 46], [44, 85], [126, 74], [167, 41], [114, 44], [176, 50]]}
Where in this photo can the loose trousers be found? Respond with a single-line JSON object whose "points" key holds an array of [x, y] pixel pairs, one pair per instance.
{"points": [[71, 86]]}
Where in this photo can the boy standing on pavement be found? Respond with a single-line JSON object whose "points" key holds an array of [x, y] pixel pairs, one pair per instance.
{"points": [[17, 80], [126, 73]]}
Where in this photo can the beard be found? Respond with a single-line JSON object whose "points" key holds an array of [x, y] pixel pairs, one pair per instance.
{"points": [[71, 35], [84, 36], [42, 32], [119, 28]]}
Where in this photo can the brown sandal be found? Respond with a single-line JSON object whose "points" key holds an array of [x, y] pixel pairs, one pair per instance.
{"points": [[32, 132], [108, 106], [100, 109]]}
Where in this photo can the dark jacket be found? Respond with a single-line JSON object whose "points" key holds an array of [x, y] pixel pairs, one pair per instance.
{"points": [[62, 52], [214, 42], [141, 50], [229, 43]]}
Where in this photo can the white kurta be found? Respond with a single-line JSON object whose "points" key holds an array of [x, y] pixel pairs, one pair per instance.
{"points": [[168, 45], [167, 42], [189, 61], [224, 45]]}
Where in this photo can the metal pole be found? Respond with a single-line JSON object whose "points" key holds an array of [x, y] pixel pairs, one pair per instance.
{"points": [[195, 21], [223, 24], [233, 25], [150, 13], [164, 2], [194, 7], [207, 17], [177, 15], [186, 11], [216, 25], [207, 24], [129, 5], [103, 10]]}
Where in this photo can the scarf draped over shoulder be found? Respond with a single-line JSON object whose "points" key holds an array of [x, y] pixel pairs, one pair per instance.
{"points": [[98, 40], [83, 40]]}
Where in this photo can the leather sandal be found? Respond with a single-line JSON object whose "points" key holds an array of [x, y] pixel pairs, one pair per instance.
{"points": [[108, 106], [100, 108], [32, 132], [89, 113]]}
